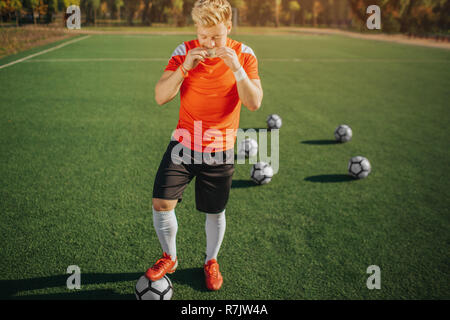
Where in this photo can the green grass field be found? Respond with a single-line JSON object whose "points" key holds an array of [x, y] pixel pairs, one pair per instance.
{"points": [[82, 137]]}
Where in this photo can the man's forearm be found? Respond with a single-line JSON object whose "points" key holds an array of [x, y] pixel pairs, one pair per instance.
{"points": [[250, 95], [167, 89]]}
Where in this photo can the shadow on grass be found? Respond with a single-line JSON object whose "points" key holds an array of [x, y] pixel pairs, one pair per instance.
{"points": [[193, 277], [330, 178], [243, 184], [100, 294], [320, 142], [9, 288]]}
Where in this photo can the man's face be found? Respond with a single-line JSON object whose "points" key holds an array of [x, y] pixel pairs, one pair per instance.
{"points": [[213, 37]]}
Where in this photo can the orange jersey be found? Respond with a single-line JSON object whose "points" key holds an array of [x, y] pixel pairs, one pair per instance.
{"points": [[209, 94]]}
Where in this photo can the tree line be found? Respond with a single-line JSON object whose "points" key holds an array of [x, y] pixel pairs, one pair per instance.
{"points": [[406, 16]]}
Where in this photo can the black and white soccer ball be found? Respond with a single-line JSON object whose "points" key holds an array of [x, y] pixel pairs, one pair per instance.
{"points": [[274, 122], [248, 147], [343, 133], [161, 289], [359, 167], [261, 173]]}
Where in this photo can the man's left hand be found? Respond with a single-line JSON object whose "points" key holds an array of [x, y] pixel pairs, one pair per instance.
{"points": [[230, 58]]}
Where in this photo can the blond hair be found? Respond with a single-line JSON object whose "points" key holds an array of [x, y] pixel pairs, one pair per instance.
{"points": [[209, 13]]}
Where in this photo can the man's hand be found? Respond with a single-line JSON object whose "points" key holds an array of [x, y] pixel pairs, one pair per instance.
{"points": [[250, 91], [230, 58], [193, 58]]}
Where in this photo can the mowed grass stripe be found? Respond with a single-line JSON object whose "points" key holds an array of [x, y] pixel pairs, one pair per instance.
{"points": [[81, 144]]}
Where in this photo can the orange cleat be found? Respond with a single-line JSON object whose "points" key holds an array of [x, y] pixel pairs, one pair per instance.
{"points": [[161, 267], [213, 277]]}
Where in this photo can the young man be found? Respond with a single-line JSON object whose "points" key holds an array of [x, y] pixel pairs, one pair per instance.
{"points": [[214, 75]]}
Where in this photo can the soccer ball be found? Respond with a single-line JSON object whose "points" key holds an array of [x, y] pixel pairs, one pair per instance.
{"points": [[249, 147], [274, 122], [343, 133], [359, 167], [261, 173], [161, 289]]}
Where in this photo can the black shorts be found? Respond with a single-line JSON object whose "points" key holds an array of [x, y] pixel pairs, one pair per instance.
{"points": [[212, 183]]}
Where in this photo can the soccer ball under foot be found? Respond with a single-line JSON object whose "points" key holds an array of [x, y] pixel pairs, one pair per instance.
{"points": [[161, 289]]}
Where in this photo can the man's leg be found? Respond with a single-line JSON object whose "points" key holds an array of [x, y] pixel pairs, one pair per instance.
{"points": [[170, 181], [165, 224], [166, 227], [212, 189], [215, 226]]}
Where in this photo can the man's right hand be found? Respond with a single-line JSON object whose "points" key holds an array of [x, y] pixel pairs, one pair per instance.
{"points": [[193, 58]]}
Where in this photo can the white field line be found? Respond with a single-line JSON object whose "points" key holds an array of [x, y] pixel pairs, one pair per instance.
{"points": [[318, 60], [42, 52]]}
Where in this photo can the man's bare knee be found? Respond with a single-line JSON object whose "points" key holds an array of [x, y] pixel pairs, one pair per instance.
{"points": [[164, 204]]}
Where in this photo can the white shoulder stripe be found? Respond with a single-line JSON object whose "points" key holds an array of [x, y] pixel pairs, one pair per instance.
{"points": [[247, 49], [180, 50]]}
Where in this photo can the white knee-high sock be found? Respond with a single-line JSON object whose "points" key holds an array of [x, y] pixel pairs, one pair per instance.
{"points": [[166, 226], [215, 230]]}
